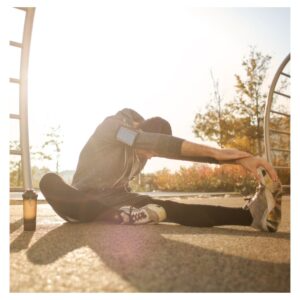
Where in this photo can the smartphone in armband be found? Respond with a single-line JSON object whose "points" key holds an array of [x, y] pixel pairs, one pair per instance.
{"points": [[126, 135]]}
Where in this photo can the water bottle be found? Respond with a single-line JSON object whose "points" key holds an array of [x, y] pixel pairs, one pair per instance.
{"points": [[29, 210]]}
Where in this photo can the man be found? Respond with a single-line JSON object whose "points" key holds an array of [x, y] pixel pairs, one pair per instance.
{"points": [[119, 149]]}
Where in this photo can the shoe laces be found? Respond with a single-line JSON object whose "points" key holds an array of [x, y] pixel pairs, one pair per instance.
{"points": [[136, 214]]}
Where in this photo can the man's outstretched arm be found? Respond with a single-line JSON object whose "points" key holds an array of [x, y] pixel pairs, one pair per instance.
{"points": [[190, 149], [176, 148], [234, 156]]}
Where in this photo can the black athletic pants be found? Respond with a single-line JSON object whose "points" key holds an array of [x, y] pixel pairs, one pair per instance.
{"points": [[76, 206], [192, 214]]}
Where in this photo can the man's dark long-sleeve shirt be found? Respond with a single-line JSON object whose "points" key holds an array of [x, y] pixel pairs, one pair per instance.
{"points": [[108, 163]]}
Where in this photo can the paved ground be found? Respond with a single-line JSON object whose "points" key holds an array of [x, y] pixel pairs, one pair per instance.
{"points": [[95, 257]]}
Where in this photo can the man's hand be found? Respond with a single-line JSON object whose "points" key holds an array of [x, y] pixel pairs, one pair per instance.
{"points": [[253, 163], [228, 156]]}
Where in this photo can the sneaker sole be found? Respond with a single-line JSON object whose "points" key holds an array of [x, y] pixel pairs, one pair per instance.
{"points": [[273, 193]]}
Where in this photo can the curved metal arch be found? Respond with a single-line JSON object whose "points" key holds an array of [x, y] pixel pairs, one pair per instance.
{"points": [[272, 91], [22, 81]]}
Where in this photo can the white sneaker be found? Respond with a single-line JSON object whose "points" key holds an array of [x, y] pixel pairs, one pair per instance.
{"points": [[151, 213], [265, 205]]}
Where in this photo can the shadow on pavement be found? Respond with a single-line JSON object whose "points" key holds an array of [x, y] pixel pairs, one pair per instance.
{"points": [[21, 242], [16, 225], [151, 262]]}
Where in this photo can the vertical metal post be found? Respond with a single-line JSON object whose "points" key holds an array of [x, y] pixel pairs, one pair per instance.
{"points": [[23, 98]]}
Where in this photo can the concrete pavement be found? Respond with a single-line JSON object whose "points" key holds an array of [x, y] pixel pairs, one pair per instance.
{"points": [[97, 257]]}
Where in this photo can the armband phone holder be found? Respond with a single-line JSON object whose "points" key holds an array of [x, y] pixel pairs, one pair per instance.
{"points": [[126, 135]]}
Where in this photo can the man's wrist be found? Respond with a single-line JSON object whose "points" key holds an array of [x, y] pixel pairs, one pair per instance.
{"points": [[230, 156]]}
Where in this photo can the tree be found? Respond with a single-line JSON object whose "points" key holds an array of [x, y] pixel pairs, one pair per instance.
{"points": [[16, 176], [211, 123], [251, 98], [37, 174], [54, 141], [238, 123], [15, 167]]}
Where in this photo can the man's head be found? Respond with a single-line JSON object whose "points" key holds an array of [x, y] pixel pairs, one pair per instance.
{"points": [[155, 125]]}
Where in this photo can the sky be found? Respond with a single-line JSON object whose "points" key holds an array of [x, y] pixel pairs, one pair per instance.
{"points": [[88, 62]]}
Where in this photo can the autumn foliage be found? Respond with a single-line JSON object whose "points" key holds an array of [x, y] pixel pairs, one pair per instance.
{"points": [[204, 178]]}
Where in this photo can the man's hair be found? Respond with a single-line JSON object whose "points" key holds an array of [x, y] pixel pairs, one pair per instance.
{"points": [[156, 125]]}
